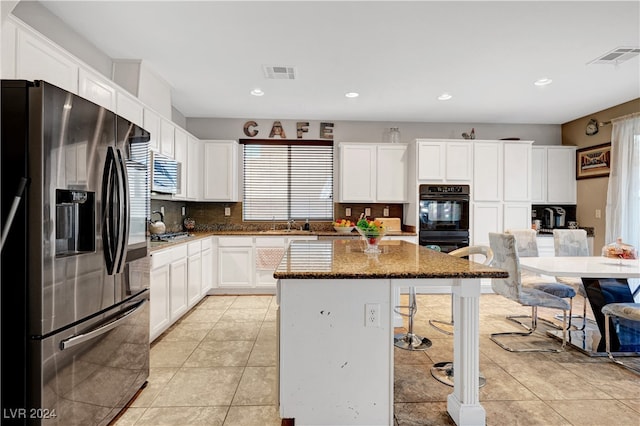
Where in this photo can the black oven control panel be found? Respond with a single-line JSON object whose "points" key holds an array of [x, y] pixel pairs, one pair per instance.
{"points": [[444, 189]]}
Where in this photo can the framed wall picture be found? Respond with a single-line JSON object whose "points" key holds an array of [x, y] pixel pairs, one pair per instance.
{"points": [[594, 161]]}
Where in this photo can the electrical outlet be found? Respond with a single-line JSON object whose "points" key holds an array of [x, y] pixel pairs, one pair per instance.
{"points": [[367, 212], [227, 211], [385, 212], [347, 211], [598, 214], [372, 315], [184, 211], [162, 209]]}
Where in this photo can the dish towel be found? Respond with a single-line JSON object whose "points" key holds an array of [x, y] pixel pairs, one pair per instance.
{"points": [[268, 258]]}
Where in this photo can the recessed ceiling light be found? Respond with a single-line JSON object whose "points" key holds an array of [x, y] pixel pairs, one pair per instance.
{"points": [[543, 81], [257, 92], [352, 94], [444, 97]]}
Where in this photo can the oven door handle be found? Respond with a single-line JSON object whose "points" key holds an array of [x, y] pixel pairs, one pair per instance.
{"points": [[444, 198], [98, 331]]}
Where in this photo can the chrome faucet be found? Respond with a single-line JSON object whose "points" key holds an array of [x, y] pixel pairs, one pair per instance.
{"points": [[290, 222]]}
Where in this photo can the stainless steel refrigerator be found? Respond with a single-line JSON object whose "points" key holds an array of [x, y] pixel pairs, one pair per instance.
{"points": [[75, 265]]}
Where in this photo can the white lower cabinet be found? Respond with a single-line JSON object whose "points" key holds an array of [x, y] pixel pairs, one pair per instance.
{"points": [[517, 216], [235, 261], [209, 264], [194, 262], [487, 217], [179, 280], [180, 277], [545, 246], [246, 264], [160, 284]]}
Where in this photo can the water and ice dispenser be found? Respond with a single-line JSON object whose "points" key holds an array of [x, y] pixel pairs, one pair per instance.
{"points": [[75, 222]]}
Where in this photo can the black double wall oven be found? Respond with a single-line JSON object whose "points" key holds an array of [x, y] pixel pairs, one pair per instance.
{"points": [[444, 216]]}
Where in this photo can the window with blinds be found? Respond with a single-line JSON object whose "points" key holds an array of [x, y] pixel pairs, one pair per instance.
{"points": [[288, 180]]}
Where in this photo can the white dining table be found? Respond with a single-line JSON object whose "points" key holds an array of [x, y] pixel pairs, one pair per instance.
{"points": [[605, 281], [582, 266]]}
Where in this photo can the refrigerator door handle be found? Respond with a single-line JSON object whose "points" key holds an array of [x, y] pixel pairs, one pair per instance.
{"points": [[107, 211], [123, 211], [102, 329]]}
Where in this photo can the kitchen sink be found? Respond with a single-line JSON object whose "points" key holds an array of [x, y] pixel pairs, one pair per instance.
{"points": [[286, 232]]}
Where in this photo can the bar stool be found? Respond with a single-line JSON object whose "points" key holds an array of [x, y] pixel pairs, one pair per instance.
{"points": [[443, 371], [630, 311], [411, 341]]}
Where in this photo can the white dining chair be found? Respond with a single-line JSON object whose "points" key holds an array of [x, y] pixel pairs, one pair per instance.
{"points": [[506, 257], [573, 242], [527, 246]]}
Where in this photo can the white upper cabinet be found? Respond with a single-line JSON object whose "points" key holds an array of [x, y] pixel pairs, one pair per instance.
{"points": [[194, 171], [167, 137], [152, 125], [553, 175], [357, 172], [130, 108], [39, 59], [487, 171], [391, 178], [561, 175], [431, 161], [97, 89], [220, 169], [538, 174], [517, 171], [181, 150], [445, 161], [373, 172]]}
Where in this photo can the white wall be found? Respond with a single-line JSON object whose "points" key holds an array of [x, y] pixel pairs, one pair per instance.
{"points": [[373, 131]]}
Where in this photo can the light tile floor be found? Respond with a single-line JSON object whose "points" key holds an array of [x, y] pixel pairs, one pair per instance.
{"points": [[217, 366]]}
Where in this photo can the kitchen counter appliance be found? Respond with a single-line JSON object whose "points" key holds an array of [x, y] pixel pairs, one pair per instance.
{"points": [[444, 216], [75, 264]]}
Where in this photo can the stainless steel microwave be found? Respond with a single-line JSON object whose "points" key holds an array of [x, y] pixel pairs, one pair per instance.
{"points": [[165, 174]]}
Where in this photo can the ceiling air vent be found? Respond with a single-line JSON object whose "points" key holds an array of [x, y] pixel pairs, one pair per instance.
{"points": [[279, 72], [617, 56]]}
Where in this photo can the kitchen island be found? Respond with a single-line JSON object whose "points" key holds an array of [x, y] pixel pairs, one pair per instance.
{"points": [[335, 329]]}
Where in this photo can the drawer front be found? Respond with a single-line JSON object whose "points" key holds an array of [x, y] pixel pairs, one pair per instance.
{"points": [[160, 258], [235, 241], [179, 252], [207, 243], [270, 241], [194, 248]]}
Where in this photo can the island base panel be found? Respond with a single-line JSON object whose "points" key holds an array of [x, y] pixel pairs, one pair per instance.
{"points": [[333, 368]]}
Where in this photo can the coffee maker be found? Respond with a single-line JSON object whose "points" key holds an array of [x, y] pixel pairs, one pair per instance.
{"points": [[559, 217]]}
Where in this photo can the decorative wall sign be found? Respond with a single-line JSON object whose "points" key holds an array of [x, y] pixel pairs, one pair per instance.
{"points": [[277, 129], [302, 127], [594, 161], [326, 130], [248, 129]]}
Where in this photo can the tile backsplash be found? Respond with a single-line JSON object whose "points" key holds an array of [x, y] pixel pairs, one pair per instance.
{"points": [[210, 216]]}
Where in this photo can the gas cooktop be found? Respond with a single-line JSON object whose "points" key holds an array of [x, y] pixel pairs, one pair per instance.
{"points": [[170, 236]]}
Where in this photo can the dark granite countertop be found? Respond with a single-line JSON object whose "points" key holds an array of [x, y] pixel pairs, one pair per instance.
{"points": [[340, 259], [159, 245]]}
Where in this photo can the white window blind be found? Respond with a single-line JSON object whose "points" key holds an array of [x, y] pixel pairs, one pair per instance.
{"points": [[288, 180]]}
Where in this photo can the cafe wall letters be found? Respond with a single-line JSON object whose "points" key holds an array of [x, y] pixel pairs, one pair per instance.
{"points": [[251, 130]]}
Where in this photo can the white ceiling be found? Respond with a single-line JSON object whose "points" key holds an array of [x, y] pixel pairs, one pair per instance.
{"points": [[398, 55]]}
